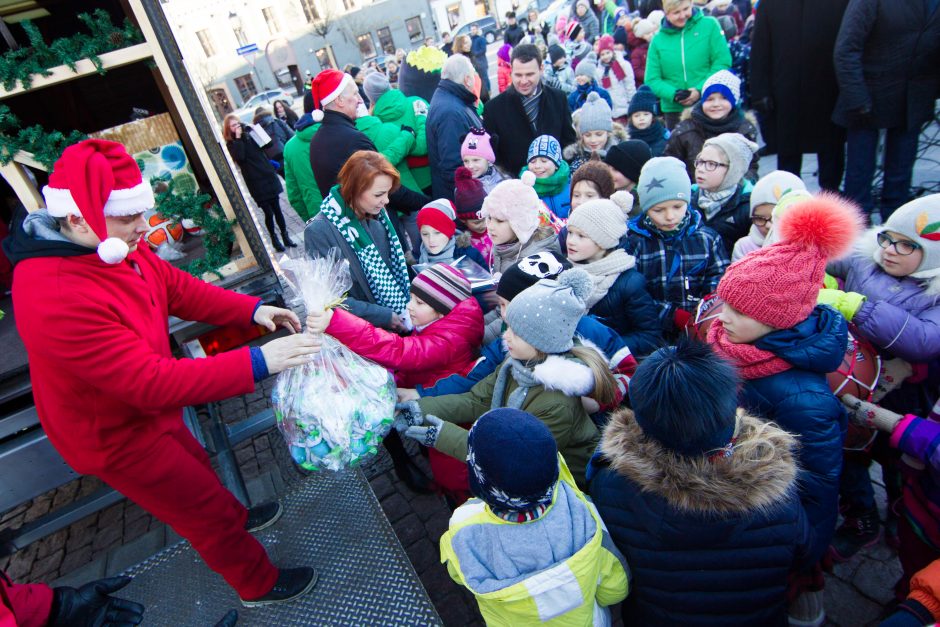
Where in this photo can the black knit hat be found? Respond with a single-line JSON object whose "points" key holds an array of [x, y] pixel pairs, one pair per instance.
{"points": [[530, 270], [308, 102], [643, 100], [629, 157], [555, 53]]}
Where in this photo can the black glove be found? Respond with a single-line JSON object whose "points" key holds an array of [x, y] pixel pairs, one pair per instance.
{"points": [[229, 620], [92, 606], [861, 118], [409, 129], [681, 94], [765, 105]]}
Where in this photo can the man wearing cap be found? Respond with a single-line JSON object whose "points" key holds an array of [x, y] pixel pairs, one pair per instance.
{"points": [[92, 305], [336, 100], [526, 110]]}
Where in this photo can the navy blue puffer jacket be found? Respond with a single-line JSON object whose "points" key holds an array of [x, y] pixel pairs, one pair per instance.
{"points": [[628, 309], [708, 542], [800, 401]]}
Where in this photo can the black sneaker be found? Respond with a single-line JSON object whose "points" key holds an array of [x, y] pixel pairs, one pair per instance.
{"points": [[856, 533], [291, 584], [263, 516]]}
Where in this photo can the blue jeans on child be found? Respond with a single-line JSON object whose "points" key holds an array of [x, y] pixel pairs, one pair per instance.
{"points": [[861, 157]]}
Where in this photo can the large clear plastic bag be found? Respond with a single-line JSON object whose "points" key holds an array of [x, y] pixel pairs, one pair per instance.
{"points": [[335, 409]]}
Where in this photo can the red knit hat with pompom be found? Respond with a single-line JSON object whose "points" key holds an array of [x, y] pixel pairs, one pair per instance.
{"points": [[778, 285], [94, 179]]}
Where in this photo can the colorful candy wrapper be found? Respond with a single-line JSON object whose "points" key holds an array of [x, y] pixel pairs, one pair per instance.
{"points": [[335, 409]]}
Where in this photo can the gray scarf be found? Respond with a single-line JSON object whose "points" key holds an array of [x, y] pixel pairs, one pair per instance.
{"points": [[445, 256], [605, 271], [531, 104], [710, 203], [524, 377]]}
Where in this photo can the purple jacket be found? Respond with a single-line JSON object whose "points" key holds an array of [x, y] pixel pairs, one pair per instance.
{"points": [[919, 440], [901, 316]]}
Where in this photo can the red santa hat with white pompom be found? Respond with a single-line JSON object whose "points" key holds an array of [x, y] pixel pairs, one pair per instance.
{"points": [[327, 87], [93, 179]]}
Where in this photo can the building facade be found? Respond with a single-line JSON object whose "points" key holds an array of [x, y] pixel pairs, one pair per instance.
{"points": [[283, 43]]}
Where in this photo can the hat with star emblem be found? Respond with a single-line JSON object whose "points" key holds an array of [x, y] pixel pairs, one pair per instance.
{"points": [[663, 179]]}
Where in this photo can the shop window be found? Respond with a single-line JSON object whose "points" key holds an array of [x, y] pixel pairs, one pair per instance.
{"points": [[310, 10], [366, 45], [415, 30], [325, 58], [246, 86], [385, 40]]}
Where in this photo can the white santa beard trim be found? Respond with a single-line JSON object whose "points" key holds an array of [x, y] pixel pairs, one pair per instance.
{"points": [[333, 95], [121, 202]]}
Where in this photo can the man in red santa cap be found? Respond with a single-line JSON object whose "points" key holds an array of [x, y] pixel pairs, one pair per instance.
{"points": [[91, 307]]}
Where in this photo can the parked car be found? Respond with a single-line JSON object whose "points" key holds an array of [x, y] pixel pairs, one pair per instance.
{"points": [[488, 28], [266, 99]]}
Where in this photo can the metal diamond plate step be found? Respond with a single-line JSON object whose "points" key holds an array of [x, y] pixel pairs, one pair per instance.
{"points": [[331, 521]]}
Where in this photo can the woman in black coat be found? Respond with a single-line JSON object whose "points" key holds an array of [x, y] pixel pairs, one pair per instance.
{"points": [[793, 83], [260, 176]]}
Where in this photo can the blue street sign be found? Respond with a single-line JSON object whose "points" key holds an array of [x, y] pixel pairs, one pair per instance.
{"points": [[247, 49]]}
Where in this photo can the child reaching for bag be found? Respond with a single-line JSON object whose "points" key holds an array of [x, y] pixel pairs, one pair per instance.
{"points": [[546, 374]]}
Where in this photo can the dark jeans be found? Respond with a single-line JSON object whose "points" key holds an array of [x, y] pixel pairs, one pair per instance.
{"points": [[900, 153], [831, 166], [272, 212]]}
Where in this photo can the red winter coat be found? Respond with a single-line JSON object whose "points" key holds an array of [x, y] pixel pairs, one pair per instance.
{"points": [[639, 49], [103, 378], [445, 347], [24, 605]]}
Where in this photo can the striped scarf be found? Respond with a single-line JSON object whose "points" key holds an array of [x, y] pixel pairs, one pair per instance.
{"points": [[388, 281], [531, 104]]}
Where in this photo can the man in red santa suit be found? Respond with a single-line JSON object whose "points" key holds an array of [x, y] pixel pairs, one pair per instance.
{"points": [[91, 306]]}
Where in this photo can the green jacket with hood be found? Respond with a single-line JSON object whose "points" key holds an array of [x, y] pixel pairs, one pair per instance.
{"points": [[302, 190], [394, 107]]}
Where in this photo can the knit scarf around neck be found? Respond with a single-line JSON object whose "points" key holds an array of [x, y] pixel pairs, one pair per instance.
{"points": [[652, 228], [710, 203], [605, 271], [524, 377], [554, 184], [388, 282], [445, 256], [653, 133], [530, 104], [751, 362], [731, 123], [614, 67]]}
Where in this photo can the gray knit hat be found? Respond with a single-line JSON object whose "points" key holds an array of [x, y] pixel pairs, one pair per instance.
{"points": [[602, 220], [594, 115], [586, 67], [546, 314], [739, 150], [375, 85], [663, 179]]}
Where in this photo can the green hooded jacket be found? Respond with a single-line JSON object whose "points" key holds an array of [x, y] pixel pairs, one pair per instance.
{"points": [[302, 190], [394, 107], [684, 59], [393, 142]]}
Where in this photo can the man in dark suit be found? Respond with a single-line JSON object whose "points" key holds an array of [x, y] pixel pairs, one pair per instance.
{"points": [[527, 109]]}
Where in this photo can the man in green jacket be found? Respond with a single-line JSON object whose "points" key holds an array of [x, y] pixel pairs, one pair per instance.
{"points": [[688, 49]]}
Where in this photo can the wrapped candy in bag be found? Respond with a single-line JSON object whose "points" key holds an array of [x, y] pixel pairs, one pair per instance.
{"points": [[335, 409]]}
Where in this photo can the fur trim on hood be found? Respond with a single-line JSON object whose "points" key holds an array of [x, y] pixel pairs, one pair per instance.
{"points": [[617, 135], [760, 472], [463, 239], [567, 374], [867, 247]]}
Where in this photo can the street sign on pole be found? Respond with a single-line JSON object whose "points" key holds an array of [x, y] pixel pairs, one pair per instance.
{"points": [[249, 49]]}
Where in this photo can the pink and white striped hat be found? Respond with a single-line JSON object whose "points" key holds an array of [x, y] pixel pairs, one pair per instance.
{"points": [[442, 287]]}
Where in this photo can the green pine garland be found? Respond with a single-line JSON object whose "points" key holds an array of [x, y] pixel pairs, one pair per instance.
{"points": [[46, 146], [218, 236], [19, 66]]}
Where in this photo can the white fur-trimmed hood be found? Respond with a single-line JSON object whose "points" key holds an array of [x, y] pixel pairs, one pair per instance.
{"points": [[567, 374]]}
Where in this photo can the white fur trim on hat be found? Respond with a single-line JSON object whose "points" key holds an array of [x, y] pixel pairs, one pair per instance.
{"points": [[121, 202], [113, 250], [347, 80]]}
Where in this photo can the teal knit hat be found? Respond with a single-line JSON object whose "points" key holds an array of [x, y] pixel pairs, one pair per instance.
{"points": [[663, 179]]}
